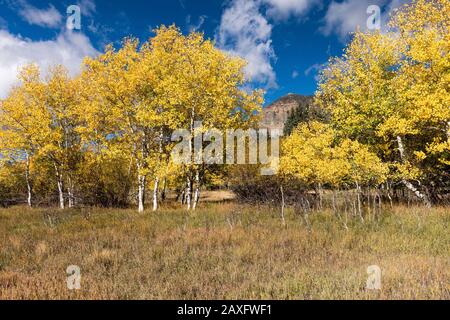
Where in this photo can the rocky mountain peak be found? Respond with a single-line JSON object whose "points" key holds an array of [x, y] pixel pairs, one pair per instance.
{"points": [[276, 114]]}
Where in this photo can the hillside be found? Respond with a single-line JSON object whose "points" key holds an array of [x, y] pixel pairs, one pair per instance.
{"points": [[276, 114]]}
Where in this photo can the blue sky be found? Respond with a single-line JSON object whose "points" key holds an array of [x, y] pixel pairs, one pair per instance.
{"points": [[285, 42]]}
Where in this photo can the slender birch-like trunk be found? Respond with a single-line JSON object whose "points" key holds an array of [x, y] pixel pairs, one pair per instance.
{"points": [[196, 197], [70, 194], [156, 186], [141, 192], [407, 184], [197, 190], [27, 178], [155, 194], [60, 184], [191, 149], [401, 148], [61, 192], [418, 194], [188, 193]]}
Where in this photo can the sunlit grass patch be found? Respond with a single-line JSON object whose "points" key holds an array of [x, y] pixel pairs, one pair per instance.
{"points": [[223, 251]]}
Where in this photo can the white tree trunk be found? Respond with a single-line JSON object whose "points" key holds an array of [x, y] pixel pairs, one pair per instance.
{"points": [[155, 194], [408, 184], [27, 178], [156, 187], [401, 147], [61, 192], [60, 184], [141, 193], [197, 190], [70, 194], [418, 194], [191, 150], [188, 193], [196, 197]]}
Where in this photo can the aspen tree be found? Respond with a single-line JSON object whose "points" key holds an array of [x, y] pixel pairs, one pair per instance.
{"points": [[391, 91]]}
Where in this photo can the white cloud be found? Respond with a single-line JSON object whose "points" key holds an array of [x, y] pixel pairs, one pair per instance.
{"points": [[87, 7], [49, 17], [315, 70], [244, 31], [295, 74], [283, 9], [69, 49], [345, 17], [195, 26], [393, 5]]}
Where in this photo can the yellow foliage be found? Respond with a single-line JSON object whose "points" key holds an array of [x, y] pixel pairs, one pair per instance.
{"points": [[394, 87], [314, 155]]}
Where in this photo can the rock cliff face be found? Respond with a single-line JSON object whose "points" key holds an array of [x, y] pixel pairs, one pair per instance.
{"points": [[276, 114]]}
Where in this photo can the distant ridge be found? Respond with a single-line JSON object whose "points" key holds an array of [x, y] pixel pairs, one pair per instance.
{"points": [[276, 114]]}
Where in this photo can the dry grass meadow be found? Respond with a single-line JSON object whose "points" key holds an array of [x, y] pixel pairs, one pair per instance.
{"points": [[223, 251]]}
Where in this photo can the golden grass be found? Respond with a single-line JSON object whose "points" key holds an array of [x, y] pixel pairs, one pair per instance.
{"points": [[223, 251]]}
